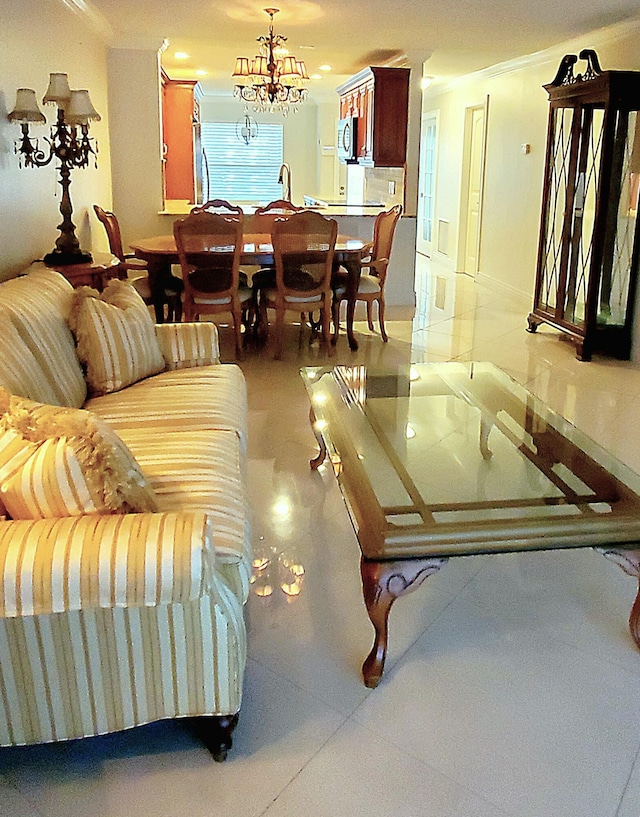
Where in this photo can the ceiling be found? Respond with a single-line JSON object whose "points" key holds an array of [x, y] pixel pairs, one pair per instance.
{"points": [[455, 36]]}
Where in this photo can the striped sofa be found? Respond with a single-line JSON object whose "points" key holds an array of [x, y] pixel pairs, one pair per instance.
{"points": [[109, 621]]}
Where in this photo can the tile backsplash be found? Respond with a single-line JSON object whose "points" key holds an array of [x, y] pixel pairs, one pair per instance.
{"points": [[384, 184]]}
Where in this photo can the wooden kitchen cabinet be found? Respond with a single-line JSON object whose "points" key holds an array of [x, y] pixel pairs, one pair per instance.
{"points": [[182, 149], [379, 98]]}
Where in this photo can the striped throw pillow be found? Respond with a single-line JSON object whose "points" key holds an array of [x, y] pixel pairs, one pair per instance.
{"points": [[57, 461], [115, 335]]}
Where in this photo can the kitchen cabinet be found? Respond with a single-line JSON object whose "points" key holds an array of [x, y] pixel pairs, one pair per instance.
{"points": [[182, 149], [379, 98]]}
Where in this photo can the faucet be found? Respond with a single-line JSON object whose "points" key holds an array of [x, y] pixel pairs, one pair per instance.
{"points": [[285, 170]]}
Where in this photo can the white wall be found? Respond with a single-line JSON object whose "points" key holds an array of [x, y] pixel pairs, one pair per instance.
{"points": [[134, 101], [38, 37], [517, 114]]}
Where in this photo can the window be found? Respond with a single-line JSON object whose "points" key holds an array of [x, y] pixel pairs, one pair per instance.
{"points": [[239, 172]]}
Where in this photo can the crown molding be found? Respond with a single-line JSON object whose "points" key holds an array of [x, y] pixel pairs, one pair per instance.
{"points": [[553, 53]]}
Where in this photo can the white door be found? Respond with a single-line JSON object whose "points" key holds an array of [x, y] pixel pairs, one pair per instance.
{"points": [[471, 210], [427, 183]]}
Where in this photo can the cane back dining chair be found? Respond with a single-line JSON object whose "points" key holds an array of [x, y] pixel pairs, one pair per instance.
{"points": [[303, 250], [262, 221], [135, 269], [209, 247], [376, 255]]}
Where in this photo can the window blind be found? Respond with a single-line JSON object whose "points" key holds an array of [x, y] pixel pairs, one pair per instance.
{"points": [[239, 172]]}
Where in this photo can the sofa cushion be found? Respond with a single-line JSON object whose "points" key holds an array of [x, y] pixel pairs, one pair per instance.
{"points": [[211, 397], [38, 305], [116, 337], [76, 464]]}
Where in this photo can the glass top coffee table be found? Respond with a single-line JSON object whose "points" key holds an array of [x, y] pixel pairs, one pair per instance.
{"points": [[453, 459]]}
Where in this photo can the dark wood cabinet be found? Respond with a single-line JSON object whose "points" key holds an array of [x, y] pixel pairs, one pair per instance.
{"points": [[182, 150], [379, 98], [589, 248]]}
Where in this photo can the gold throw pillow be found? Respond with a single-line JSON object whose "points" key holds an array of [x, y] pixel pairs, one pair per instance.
{"points": [[115, 335]]}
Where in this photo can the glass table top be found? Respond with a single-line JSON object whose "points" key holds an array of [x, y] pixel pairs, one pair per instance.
{"points": [[457, 458]]}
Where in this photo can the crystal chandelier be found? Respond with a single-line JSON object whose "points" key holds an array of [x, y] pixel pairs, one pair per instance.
{"points": [[273, 80]]}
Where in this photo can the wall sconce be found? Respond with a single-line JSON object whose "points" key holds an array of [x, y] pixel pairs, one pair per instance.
{"points": [[70, 146]]}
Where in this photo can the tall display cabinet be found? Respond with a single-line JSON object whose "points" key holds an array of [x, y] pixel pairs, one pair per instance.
{"points": [[589, 247]]}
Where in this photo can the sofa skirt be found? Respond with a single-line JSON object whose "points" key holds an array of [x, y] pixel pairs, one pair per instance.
{"points": [[76, 674]]}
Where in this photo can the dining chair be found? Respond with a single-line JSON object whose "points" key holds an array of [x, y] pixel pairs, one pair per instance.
{"points": [[130, 265], [262, 222], [303, 250], [371, 285], [209, 246]]}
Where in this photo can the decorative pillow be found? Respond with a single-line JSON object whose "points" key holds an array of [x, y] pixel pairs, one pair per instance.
{"points": [[57, 461], [115, 335]]}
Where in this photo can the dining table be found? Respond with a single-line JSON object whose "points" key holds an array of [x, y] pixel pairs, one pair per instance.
{"points": [[160, 253]]}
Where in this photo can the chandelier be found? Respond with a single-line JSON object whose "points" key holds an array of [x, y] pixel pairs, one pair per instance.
{"points": [[273, 80]]}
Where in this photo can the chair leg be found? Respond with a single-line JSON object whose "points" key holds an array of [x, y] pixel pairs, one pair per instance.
{"points": [[237, 331], [370, 315], [335, 316], [326, 329], [279, 333], [381, 318]]}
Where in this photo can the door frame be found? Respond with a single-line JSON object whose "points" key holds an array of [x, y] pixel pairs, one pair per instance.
{"points": [[465, 187]]}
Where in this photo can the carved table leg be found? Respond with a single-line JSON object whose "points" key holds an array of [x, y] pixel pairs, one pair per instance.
{"points": [[382, 584], [629, 561], [316, 462], [215, 732]]}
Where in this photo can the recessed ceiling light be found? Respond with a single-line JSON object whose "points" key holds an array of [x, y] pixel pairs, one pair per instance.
{"points": [[200, 72], [316, 76], [181, 55], [306, 47], [325, 67]]}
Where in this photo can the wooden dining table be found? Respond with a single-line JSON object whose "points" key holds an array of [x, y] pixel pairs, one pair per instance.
{"points": [[160, 253]]}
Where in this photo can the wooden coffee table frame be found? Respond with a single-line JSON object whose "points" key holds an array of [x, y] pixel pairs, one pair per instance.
{"points": [[386, 578]]}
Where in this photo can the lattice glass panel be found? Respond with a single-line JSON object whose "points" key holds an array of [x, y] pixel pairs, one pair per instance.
{"points": [[558, 184], [614, 289], [582, 232]]}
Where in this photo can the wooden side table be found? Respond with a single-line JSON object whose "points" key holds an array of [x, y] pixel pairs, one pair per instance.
{"points": [[93, 273]]}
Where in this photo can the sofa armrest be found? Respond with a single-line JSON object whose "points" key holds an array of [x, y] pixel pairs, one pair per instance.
{"points": [[105, 561], [187, 345]]}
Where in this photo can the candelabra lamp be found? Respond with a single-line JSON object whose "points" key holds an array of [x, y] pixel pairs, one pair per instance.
{"points": [[68, 142]]}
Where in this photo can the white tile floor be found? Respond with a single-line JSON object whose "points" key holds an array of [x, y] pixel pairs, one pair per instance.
{"points": [[510, 681]]}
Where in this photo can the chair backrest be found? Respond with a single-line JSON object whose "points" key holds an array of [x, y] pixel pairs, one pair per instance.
{"points": [[264, 218], [209, 247], [218, 206], [112, 227], [303, 250], [383, 231]]}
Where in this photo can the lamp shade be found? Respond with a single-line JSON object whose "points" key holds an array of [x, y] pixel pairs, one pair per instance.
{"points": [[242, 67], [259, 67], [80, 109], [26, 107], [58, 92], [289, 70]]}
